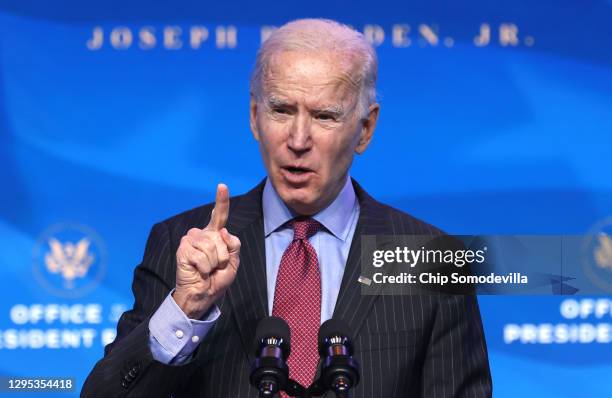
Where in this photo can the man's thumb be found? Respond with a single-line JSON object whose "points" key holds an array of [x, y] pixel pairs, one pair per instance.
{"points": [[232, 242]]}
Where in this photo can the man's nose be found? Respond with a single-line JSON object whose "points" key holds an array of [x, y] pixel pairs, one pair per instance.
{"points": [[300, 138]]}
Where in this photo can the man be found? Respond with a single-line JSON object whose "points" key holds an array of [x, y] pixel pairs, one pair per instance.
{"points": [[290, 248]]}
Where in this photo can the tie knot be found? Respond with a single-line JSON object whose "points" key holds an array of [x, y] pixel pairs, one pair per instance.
{"points": [[304, 228]]}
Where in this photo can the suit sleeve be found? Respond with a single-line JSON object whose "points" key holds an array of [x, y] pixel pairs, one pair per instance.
{"points": [[456, 363], [128, 368]]}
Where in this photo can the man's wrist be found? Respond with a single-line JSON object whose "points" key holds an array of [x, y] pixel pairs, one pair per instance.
{"points": [[173, 337], [194, 307]]}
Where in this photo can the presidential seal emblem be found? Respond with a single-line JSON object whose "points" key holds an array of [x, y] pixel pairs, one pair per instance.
{"points": [[603, 252], [69, 260], [597, 255]]}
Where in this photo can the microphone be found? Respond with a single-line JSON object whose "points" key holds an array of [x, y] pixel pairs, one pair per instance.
{"points": [[272, 345], [339, 370]]}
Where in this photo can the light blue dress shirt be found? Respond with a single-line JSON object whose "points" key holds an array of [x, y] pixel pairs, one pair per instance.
{"points": [[332, 243], [173, 337]]}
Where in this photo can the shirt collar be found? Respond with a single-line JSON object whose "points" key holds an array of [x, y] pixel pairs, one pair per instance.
{"points": [[335, 217]]}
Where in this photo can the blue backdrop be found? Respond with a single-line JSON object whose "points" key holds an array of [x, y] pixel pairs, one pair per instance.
{"points": [[496, 118]]}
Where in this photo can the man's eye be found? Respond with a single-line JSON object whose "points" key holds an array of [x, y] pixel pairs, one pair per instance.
{"points": [[325, 117], [282, 111]]}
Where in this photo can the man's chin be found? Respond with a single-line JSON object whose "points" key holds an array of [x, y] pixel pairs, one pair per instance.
{"points": [[299, 201]]}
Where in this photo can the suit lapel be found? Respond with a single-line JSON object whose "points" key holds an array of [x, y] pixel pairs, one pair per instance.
{"points": [[352, 306], [247, 294]]}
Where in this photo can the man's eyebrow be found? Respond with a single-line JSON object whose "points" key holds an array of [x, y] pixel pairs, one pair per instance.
{"points": [[276, 101], [337, 110]]}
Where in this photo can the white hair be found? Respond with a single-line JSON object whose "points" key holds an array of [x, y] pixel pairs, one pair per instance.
{"points": [[319, 35]]}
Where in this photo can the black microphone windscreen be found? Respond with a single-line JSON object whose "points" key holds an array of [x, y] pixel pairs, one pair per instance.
{"points": [[333, 327], [273, 327]]}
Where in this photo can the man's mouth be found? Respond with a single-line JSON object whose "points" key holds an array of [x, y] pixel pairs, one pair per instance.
{"points": [[297, 170], [296, 175]]}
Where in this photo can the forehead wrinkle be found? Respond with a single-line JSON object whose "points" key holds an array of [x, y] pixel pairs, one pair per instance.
{"points": [[340, 89], [346, 73], [350, 79]]}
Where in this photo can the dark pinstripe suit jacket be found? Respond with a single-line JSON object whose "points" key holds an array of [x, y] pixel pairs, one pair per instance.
{"points": [[408, 346]]}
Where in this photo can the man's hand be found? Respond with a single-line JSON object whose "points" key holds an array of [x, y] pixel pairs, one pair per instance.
{"points": [[207, 261]]}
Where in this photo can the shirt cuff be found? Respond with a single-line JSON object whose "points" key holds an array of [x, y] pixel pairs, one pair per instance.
{"points": [[172, 336]]}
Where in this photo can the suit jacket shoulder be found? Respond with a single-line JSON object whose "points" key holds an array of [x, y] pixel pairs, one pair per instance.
{"points": [[395, 221]]}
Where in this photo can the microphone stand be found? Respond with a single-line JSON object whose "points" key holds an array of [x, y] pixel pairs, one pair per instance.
{"points": [[342, 390], [295, 389]]}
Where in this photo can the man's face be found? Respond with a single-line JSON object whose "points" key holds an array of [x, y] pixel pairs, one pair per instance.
{"points": [[308, 125]]}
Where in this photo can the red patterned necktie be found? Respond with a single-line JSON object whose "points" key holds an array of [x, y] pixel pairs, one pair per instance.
{"points": [[297, 299]]}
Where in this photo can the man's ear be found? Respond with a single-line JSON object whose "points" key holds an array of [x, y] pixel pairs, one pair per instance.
{"points": [[253, 117], [367, 128]]}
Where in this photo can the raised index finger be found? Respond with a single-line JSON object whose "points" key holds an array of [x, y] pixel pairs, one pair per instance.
{"points": [[221, 210]]}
